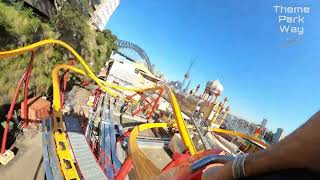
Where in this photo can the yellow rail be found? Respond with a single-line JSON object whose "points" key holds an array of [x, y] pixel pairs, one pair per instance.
{"points": [[180, 122], [64, 155], [130, 88], [56, 90], [55, 83], [145, 168], [174, 103], [217, 130], [36, 45], [63, 151], [223, 131]]}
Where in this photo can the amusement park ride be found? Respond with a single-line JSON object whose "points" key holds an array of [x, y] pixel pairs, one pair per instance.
{"points": [[89, 149]]}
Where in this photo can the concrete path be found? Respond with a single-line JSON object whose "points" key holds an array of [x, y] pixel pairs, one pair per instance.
{"points": [[27, 163]]}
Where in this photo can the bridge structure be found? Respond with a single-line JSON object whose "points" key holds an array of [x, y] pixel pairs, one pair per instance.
{"points": [[133, 52]]}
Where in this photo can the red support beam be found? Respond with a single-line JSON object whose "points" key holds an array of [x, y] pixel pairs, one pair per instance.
{"points": [[65, 79], [24, 78], [145, 99], [176, 160], [145, 107], [125, 134], [26, 84], [9, 116], [130, 97], [96, 98], [153, 104], [63, 89], [125, 169], [156, 102]]}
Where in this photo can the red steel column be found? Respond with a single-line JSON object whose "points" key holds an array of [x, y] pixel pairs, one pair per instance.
{"points": [[156, 102], [26, 83], [63, 90], [9, 116], [125, 169]]}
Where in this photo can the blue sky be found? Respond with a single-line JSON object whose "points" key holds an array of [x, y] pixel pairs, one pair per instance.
{"points": [[237, 42]]}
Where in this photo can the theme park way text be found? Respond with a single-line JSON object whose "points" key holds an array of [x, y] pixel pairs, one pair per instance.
{"points": [[291, 19]]}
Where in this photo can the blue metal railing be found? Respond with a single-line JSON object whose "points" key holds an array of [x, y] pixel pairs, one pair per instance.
{"points": [[49, 154]]}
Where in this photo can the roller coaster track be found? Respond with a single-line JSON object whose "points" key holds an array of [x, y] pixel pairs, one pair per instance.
{"points": [[57, 153], [63, 151]]}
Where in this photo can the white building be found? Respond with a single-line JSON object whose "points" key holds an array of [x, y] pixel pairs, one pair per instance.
{"points": [[131, 74], [278, 135], [103, 10], [235, 123]]}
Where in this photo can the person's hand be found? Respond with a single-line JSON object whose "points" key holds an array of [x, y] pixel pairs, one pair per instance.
{"points": [[214, 172]]}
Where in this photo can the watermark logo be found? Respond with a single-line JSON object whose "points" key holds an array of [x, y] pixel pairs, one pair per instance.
{"points": [[291, 19]]}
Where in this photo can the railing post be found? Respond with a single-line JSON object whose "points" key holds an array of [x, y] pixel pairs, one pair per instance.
{"points": [[26, 83]]}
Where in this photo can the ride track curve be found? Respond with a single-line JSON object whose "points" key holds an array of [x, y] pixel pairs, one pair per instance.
{"points": [[63, 151]]}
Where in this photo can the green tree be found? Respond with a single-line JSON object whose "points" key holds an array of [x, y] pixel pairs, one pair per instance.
{"points": [[19, 27]]}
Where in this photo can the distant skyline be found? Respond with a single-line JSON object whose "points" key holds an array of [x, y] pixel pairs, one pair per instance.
{"points": [[266, 73]]}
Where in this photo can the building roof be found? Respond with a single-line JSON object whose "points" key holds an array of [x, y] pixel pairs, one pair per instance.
{"points": [[145, 71]]}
